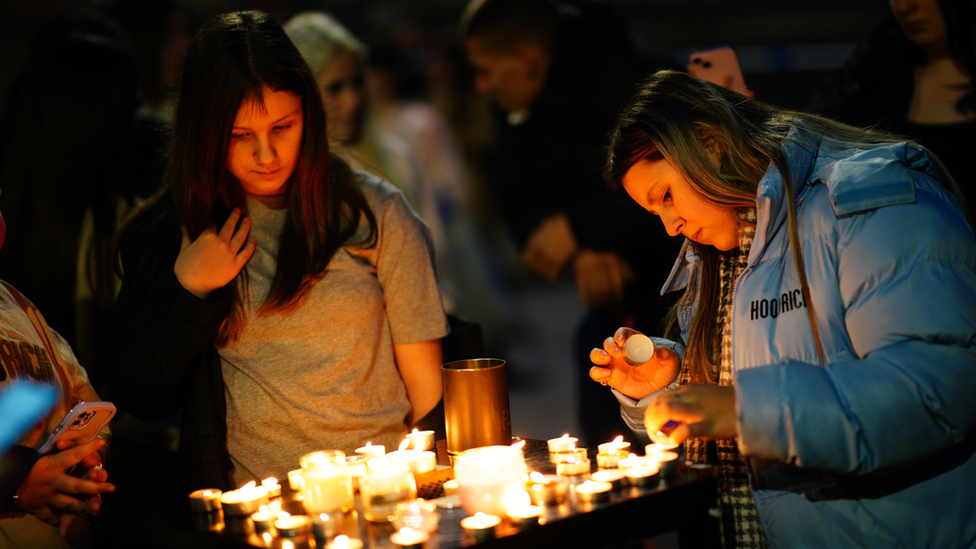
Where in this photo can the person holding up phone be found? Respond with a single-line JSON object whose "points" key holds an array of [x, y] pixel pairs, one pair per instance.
{"points": [[39, 500], [823, 354]]}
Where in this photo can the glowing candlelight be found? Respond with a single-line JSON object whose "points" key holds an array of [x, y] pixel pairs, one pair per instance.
{"points": [[615, 446], [615, 477], [573, 468], [345, 542], [371, 450], [421, 440], [490, 478], [480, 526], [547, 489], [245, 500], [408, 537], [271, 485], [642, 476], [591, 491], [385, 484], [561, 444], [326, 485]]}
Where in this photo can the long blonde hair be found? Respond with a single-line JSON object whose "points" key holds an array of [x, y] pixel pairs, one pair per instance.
{"points": [[673, 116]]}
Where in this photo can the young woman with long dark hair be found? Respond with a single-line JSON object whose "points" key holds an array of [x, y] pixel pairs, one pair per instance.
{"points": [[824, 352], [282, 301]]}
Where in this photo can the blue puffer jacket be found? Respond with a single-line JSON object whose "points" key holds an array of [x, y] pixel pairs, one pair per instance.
{"points": [[876, 449]]}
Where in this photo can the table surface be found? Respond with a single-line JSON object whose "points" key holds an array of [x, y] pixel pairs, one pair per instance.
{"points": [[681, 502]]}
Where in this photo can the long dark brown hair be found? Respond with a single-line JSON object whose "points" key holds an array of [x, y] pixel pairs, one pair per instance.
{"points": [[671, 116], [229, 62]]}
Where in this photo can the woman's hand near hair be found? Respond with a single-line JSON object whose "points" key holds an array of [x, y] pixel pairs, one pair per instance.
{"points": [[705, 411], [215, 258], [634, 381], [420, 368]]}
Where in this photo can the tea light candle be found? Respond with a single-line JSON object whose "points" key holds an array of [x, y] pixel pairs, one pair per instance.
{"points": [[295, 480], [205, 501], [421, 440], [245, 500], [632, 460], [575, 467], [561, 444], [571, 453], [451, 487], [418, 461], [418, 514], [408, 537], [371, 450], [525, 516], [271, 485], [263, 520], [292, 526], [480, 527], [638, 349], [642, 476], [385, 484], [547, 489], [345, 542], [615, 446], [594, 492], [615, 477], [609, 461]]}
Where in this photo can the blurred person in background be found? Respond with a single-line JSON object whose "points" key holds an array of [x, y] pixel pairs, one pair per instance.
{"points": [[915, 75], [557, 73]]}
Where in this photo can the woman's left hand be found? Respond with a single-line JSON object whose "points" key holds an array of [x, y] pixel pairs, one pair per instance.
{"points": [[706, 411]]}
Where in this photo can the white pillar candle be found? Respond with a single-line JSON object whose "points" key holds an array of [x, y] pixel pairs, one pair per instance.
{"points": [[490, 479]]}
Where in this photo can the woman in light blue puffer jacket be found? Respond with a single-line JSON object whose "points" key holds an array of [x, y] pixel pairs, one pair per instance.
{"points": [[825, 347]]}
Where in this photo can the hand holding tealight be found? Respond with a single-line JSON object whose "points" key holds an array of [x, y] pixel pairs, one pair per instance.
{"points": [[633, 377]]}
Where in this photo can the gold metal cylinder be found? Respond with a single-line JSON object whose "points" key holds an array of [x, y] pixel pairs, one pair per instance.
{"points": [[476, 411]]}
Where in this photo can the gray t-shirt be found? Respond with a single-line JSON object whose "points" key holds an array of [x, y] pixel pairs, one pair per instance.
{"points": [[324, 376]]}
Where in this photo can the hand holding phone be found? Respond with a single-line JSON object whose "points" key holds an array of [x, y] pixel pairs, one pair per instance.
{"points": [[81, 424], [719, 66]]}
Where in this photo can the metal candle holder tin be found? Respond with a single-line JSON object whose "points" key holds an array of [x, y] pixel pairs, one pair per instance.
{"points": [[476, 410]]}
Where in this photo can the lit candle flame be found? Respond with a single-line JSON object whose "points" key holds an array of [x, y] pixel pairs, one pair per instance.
{"points": [[270, 482], [518, 445], [404, 445], [537, 477], [414, 432], [565, 435], [618, 440]]}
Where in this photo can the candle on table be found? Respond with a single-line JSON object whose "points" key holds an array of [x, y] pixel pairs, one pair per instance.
{"points": [[561, 443], [418, 461], [615, 446], [326, 486], [295, 481], [245, 500], [642, 476], [547, 489], [206, 511], [385, 484], [592, 491], [609, 461], [271, 485], [480, 527], [490, 478], [632, 460], [417, 514], [451, 487], [294, 527], [372, 450], [573, 468], [410, 538], [345, 542], [615, 477], [571, 453], [525, 516], [263, 520], [421, 440]]}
